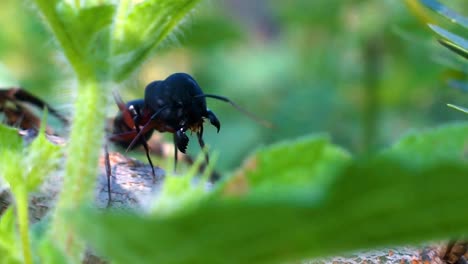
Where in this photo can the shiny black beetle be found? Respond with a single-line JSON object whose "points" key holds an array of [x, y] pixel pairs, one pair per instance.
{"points": [[175, 105]]}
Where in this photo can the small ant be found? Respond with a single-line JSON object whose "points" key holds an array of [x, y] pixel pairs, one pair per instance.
{"points": [[175, 105]]}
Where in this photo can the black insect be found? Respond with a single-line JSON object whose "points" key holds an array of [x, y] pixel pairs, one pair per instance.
{"points": [[175, 105]]}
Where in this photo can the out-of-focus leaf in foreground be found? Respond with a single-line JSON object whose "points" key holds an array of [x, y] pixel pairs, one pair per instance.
{"points": [[139, 29], [423, 148], [365, 203], [452, 41], [459, 108], [446, 12], [8, 239], [305, 165]]}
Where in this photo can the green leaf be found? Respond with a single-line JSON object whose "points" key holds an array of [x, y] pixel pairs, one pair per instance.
{"points": [[432, 146], [459, 108], [454, 47], [53, 17], [11, 150], [140, 29], [44, 246], [83, 34], [41, 158], [452, 41], [299, 164], [24, 171], [10, 140], [182, 192], [89, 33], [26, 167], [9, 247], [50, 253], [375, 202], [446, 12]]}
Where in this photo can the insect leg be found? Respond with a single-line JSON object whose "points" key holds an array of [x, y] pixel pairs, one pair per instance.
{"points": [[175, 152], [109, 174], [136, 121], [146, 127], [202, 143], [213, 119], [145, 145], [25, 96], [214, 176]]}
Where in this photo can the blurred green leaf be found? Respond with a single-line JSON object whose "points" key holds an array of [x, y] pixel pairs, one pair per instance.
{"points": [[11, 145], [41, 158], [26, 167], [452, 41], [140, 30], [50, 253], [25, 170], [84, 29], [8, 240], [383, 202], [55, 13], [454, 47], [181, 193], [446, 12], [459, 108], [10, 140], [5, 77], [432, 146], [370, 203], [302, 163]]}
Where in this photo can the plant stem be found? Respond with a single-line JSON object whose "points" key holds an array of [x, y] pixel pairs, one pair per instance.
{"points": [[372, 60], [122, 10], [21, 196], [81, 168]]}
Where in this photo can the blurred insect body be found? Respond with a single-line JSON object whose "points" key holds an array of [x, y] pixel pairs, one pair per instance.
{"points": [[15, 104]]}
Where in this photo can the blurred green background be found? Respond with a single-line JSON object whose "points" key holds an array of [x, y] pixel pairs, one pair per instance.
{"points": [[365, 72]]}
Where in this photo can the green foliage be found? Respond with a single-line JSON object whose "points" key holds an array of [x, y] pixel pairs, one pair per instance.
{"points": [[139, 30], [454, 42], [299, 164], [433, 146], [88, 35], [295, 199], [9, 246], [459, 108], [315, 69], [103, 42], [446, 12], [84, 34], [24, 169], [362, 203]]}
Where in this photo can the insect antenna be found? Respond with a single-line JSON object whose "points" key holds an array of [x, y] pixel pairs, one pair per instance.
{"points": [[239, 108]]}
